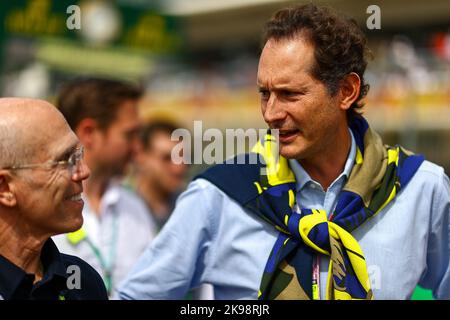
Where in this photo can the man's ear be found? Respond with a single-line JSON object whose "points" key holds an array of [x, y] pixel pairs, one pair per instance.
{"points": [[86, 132], [7, 196], [349, 90]]}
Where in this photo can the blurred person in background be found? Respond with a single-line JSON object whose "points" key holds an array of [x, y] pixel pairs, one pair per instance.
{"points": [[339, 215], [41, 175], [117, 225], [158, 179]]}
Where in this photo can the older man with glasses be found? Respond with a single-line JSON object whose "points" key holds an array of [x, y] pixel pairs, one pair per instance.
{"points": [[41, 174]]}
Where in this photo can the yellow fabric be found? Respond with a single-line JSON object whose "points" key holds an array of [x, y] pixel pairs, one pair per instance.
{"points": [[374, 181], [307, 223]]}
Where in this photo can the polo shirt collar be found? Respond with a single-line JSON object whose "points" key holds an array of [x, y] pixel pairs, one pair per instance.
{"points": [[12, 276], [52, 261]]}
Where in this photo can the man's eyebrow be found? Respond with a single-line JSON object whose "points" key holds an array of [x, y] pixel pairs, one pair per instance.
{"points": [[283, 87], [68, 150], [282, 83]]}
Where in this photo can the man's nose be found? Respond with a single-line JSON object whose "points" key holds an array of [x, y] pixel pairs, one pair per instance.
{"points": [[82, 171], [273, 111]]}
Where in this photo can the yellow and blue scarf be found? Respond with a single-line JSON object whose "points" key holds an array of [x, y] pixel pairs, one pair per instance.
{"points": [[267, 189]]}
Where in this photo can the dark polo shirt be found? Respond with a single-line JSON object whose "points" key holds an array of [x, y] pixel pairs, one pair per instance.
{"points": [[16, 284]]}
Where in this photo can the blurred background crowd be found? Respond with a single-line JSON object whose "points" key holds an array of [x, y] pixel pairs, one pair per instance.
{"points": [[197, 60]]}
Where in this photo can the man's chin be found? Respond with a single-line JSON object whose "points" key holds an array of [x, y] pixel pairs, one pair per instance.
{"points": [[75, 224], [291, 151]]}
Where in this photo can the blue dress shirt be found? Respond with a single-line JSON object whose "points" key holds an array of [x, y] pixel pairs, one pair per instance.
{"points": [[211, 239]]}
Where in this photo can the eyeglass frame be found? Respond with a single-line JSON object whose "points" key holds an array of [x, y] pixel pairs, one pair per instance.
{"points": [[73, 162]]}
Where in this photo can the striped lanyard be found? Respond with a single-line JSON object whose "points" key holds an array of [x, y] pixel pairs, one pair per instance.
{"points": [[107, 265], [316, 278], [316, 268]]}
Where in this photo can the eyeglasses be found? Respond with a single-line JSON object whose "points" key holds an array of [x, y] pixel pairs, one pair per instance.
{"points": [[72, 163]]}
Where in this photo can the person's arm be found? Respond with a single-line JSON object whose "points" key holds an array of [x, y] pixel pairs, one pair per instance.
{"points": [[175, 261], [437, 275]]}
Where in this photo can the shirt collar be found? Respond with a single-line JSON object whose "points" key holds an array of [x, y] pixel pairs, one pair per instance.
{"points": [[52, 261], [12, 276], [302, 177], [112, 195]]}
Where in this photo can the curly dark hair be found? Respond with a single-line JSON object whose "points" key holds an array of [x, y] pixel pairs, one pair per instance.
{"points": [[340, 45]]}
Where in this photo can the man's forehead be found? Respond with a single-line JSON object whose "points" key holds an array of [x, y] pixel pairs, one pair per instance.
{"points": [[52, 147], [37, 130], [282, 77], [127, 115], [280, 51], [163, 140], [50, 134], [285, 62]]}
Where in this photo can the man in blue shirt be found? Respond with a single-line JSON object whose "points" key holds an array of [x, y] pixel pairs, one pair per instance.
{"points": [[341, 217]]}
